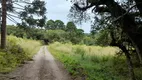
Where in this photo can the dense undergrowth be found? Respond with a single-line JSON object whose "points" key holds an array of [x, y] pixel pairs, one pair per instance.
{"points": [[92, 62], [17, 51]]}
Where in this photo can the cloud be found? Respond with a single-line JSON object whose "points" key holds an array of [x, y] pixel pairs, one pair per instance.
{"points": [[58, 8]]}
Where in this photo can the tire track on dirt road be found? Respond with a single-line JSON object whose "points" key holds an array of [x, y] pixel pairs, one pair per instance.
{"points": [[43, 67]]}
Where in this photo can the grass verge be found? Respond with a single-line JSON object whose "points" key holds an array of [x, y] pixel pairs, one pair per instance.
{"points": [[17, 51], [92, 62]]}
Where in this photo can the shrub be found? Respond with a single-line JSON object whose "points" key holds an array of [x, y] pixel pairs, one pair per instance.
{"points": [[16, 52], [79, 50]]}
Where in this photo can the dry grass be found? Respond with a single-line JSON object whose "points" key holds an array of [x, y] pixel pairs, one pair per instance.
{"points": [[17, 51], [89, 50], [93, 62], [30, 46]]}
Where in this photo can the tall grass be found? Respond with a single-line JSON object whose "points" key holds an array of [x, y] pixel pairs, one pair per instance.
{"points": [[30, 47], [92, 62], [17, 51]]}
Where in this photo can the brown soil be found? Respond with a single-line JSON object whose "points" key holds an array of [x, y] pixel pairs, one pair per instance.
{"points": [[43, 67]]}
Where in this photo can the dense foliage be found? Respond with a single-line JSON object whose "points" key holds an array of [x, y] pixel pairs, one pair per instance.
{"points": [[60, 32]]}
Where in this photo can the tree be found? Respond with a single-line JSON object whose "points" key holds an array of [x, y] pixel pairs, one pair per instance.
{"points": [[103, 38], [125, 15], [26, 14], [50, 24], [36, 8], [3, 25], [59, 24], [55, 35], [80, 32], [70, 27], [16, 31], [88, 40], [74, 35], [71, 31]]}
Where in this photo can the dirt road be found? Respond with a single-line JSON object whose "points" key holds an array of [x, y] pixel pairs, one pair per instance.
{"points": [[43, 67]]}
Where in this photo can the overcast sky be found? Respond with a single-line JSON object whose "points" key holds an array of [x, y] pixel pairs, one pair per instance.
{"points": [[58, 10]]}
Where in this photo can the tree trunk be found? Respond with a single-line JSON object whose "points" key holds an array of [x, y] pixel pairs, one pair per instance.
{"points": [[3, 26], [129, 62], [127, 54], [138, 46]]}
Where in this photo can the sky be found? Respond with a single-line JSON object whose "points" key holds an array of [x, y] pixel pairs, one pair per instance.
{"points": [[58, 10]]}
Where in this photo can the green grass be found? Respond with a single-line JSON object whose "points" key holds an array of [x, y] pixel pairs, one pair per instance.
{"points": [[92, 62], [17, 51]]}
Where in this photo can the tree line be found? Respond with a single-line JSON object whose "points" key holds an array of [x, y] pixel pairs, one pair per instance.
{"points": [[53, 31], [57, 31]]}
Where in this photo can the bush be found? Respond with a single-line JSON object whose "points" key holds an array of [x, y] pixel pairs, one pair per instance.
{"points": [[80, 51], [16, 52], [55, 35]]}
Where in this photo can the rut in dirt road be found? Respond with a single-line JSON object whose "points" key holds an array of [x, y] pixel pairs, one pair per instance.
{"points": [[43, 67]]}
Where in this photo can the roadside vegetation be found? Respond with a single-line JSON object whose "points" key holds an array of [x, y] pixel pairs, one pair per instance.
{"points": [[85, 55], [116, 23], [92, 62], [17, 51]]}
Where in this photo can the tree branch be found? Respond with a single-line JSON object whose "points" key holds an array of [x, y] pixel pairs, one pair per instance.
{"points": [[83, 8], [124, 13], [102, 9], [19, 8], [11, 19], [19, 5], [13, 16]]}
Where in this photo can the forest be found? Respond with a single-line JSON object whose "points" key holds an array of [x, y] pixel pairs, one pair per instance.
{"points": [[111, 51]]}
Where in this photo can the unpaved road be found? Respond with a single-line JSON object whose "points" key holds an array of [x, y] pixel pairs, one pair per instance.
{"points": [[43, 67]]}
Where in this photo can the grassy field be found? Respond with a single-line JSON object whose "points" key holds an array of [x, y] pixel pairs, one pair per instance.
{"points": [[92, 62], [17, 51]]}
